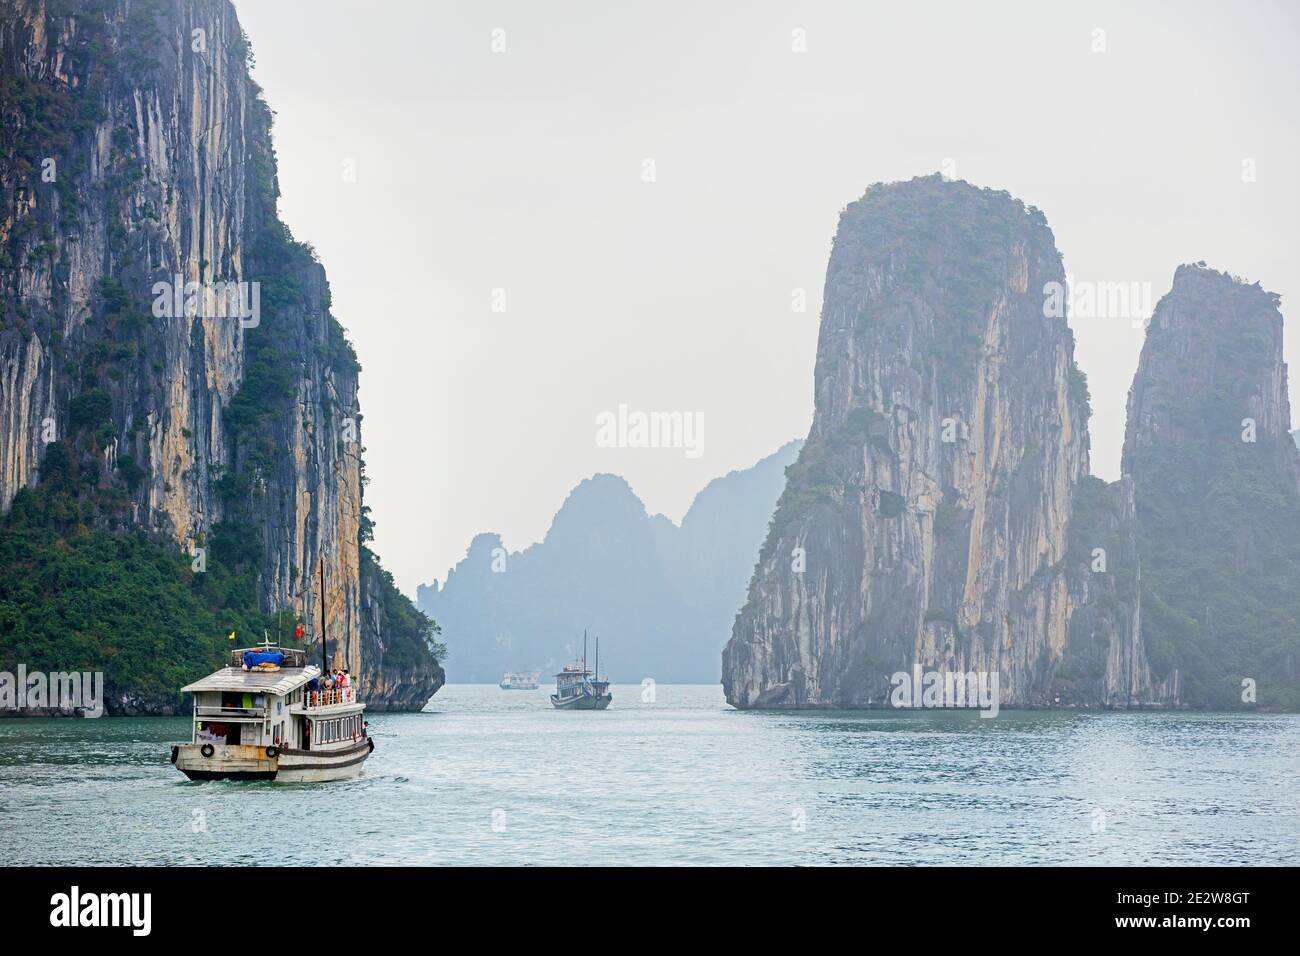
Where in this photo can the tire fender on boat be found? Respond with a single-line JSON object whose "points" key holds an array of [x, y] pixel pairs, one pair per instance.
{"points": [[175, 752], [207, 750], [273, 752], [371, 741]]}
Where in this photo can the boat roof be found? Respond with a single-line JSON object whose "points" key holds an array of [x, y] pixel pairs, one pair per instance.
{"points": [[280, 682]]}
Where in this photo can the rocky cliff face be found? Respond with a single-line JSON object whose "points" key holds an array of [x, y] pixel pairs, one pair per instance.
{"points": [[927, 522], [1216, 475], [153, 302], [399, 671]]}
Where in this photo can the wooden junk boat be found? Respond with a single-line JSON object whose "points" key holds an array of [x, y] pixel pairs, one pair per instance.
{"points": [[580, 688]]}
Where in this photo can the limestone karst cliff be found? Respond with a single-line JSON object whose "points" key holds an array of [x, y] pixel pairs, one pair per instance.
{"points": [[1216, 475], [928, 520], [161, 328]]}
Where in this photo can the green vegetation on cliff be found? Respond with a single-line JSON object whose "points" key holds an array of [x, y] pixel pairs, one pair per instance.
{"points": [[1219, 573], [1218, 506], [74, 596], [410, 635], [91, 575]]}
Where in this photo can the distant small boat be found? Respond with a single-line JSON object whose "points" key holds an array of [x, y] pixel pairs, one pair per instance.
{"points": [[521, 680], [578, 688]]}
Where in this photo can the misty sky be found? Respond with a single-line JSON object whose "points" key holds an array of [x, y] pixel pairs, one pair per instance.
{"points": [[524, 171]]}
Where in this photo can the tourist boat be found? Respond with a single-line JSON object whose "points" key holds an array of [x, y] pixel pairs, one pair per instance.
{"points": [[578, 688], [259, 722], [266, 716], [521, 680]]}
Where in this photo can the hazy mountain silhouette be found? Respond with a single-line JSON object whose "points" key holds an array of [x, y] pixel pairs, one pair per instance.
{"points": [[662, 597]]}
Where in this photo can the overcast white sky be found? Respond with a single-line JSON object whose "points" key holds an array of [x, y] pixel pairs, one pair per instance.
{"points": [[523, 171]]}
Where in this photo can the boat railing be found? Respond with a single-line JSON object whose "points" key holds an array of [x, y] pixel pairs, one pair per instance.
{"points": [[329, 696]]}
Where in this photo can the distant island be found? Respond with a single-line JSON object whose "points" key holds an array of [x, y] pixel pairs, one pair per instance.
{"points": [[662, 597]]}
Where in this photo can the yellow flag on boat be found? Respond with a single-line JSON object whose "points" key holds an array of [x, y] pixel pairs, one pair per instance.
{"points": [[231, 637]]}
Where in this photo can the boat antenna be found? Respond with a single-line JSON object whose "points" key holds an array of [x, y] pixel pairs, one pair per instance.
{"points": [[596, 676], [584, 648], [323, 666]]}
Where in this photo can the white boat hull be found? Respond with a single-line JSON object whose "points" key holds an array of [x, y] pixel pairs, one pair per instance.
{"points": [[318, 766]]}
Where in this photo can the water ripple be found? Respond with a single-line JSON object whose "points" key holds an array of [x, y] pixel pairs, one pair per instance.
{"points": [[485, 776]]}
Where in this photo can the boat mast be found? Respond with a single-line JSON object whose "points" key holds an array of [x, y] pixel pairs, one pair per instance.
{"points": [[596, 675], [584, 648], [323, 665]]}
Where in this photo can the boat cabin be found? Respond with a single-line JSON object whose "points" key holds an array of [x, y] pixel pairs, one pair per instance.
{"points": [[254, 702], [572, 680]]}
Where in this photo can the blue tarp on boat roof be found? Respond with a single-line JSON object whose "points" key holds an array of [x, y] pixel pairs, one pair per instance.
{"points": [[253, 658]]}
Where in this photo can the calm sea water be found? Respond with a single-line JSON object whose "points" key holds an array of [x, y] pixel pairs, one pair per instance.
{"points": [[486, 776]]}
